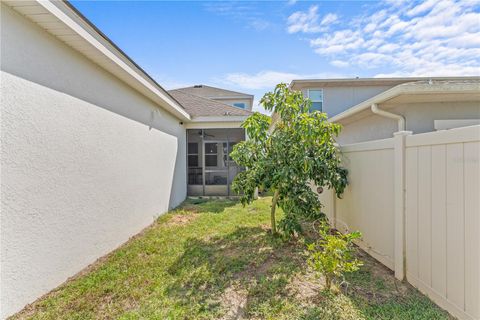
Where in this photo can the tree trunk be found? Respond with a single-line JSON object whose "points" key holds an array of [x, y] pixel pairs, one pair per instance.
{"points": [[272, 212], [328, 282]]}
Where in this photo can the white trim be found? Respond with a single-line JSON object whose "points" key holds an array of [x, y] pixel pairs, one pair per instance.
{"points": [[369, 145], [219, 118], [370, 81], [458, 135], [213, 125]]}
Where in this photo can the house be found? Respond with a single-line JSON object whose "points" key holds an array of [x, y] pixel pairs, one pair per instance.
{"points": [[214, 130], [93, 149], [370, 109], [411, 147]]}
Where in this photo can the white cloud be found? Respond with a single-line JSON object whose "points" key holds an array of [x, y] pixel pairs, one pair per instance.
{"points": [[427, 5], [339, 63], [427, 38], [337, 42], [329, 18], [168, 83], [259, 24], [304, 21], [308, 22], [246, 13], [268, 79]]}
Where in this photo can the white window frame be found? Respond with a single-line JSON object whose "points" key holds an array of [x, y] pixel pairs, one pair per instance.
{"points": [[316, 89]]}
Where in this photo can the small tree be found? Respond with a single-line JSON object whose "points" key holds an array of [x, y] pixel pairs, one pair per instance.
{"points": [[298, 149], [333, 255]]}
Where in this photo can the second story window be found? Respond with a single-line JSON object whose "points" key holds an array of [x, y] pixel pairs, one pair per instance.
{"points": [[316, 95], [239, 105]]}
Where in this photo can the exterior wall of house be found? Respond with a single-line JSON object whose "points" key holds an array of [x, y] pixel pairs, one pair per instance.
{"points": [[337, 99], [87, 162], [419, 118]]}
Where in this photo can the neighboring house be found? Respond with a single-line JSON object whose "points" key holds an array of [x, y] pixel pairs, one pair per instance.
{"points": [[412, 185], [233, 98], [423, 104], [214, 130], [92, 148]]}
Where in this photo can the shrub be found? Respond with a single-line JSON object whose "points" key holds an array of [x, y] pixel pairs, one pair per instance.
{"points": [[333, 255]]}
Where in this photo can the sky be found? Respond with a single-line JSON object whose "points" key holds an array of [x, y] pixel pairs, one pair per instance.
{"points": [[251, 46]]}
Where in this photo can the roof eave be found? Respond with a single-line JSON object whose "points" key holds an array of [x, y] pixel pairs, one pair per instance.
{"points": [[407, 88], [219, 118], [365, 81], [105, 50]]}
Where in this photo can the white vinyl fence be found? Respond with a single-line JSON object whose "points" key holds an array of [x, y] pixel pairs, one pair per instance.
{"points": [[416, 200]]}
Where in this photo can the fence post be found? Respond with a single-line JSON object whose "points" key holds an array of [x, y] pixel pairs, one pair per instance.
{"points": [[399, 191]]}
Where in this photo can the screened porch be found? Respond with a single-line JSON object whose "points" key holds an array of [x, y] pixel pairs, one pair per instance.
{"points": [[210, 169]]}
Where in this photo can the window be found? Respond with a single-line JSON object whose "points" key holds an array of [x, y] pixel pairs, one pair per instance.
{"points": [[193, 154], [211, 154], [316, 95], [239, 105]]}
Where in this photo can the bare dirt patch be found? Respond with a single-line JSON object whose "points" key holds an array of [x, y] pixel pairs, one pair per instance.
{"points": [[181, 219], [234, 300], [305, 287]]}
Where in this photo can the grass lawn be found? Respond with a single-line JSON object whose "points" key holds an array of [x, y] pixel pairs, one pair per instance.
{"points": [[216, 260]]}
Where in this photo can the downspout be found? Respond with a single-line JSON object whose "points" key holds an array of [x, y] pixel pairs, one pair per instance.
{"points": [[400, 119]]}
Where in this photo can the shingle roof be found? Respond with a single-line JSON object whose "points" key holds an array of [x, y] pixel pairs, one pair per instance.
{"points": [[199, 106], [213, 92]]}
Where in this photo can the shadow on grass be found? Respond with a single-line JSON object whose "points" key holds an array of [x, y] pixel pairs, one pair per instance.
{"points": [[376, 292], [248, 273], [234, 273], [207, 205]]}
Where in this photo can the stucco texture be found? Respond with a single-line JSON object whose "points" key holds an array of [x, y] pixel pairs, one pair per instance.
{"points": [[86, 162], [419, 118]]}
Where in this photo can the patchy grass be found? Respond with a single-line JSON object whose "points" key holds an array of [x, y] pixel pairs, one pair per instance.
{"points": [[216, 260]]}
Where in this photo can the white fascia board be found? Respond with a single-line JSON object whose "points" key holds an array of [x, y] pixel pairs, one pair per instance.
{"points": [[375, 81], [213, 125], [119, 60]]}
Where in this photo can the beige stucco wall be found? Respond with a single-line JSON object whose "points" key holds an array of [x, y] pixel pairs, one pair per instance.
{"points": [[86, 162], [419, 119], [337, 99]]}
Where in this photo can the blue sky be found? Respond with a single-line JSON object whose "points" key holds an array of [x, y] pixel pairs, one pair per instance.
{"points": [[250, 46]]}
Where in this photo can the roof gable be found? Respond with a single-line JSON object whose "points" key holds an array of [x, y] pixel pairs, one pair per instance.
{"points": [[200, 106], [213, 92]]}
